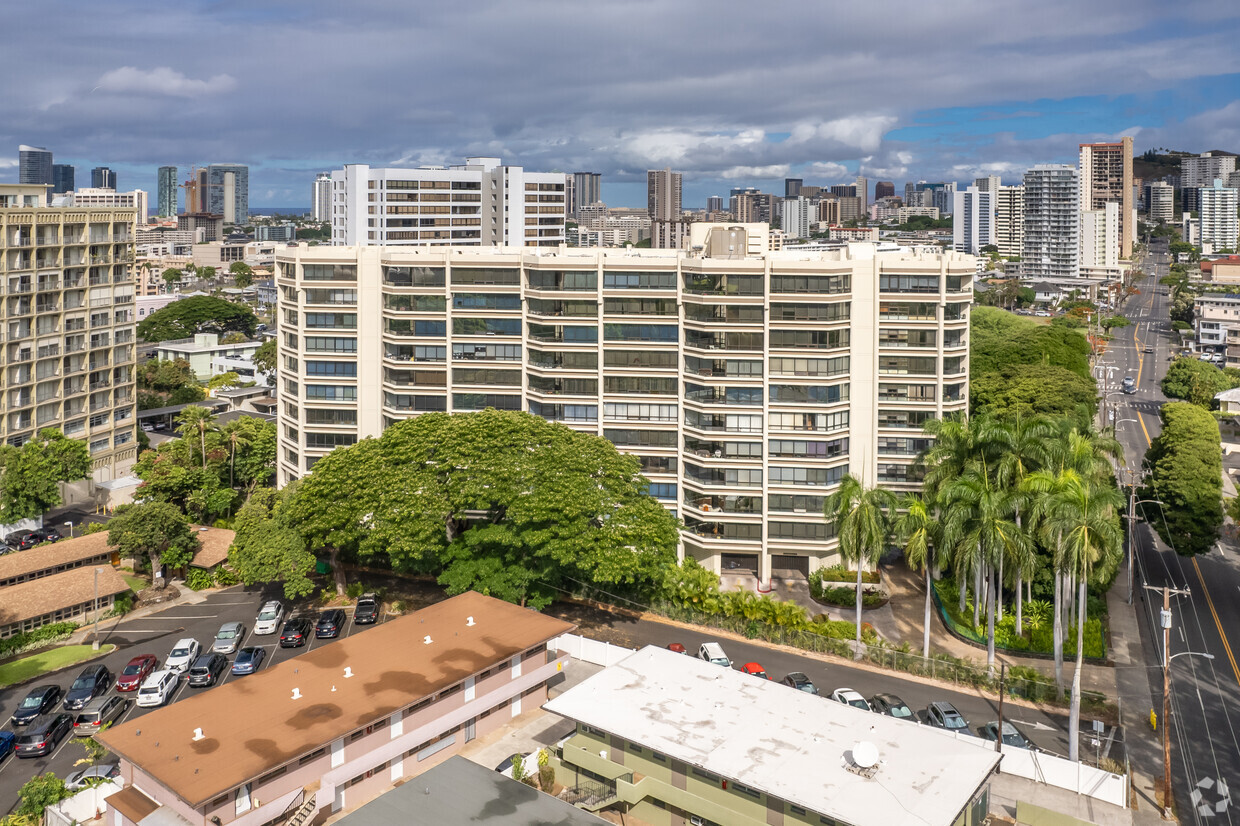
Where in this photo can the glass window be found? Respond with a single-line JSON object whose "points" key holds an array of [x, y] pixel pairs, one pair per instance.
{"points": [[330, 440], [808, 394], [413, 276], [331, 393], [481, 401], [819, 284], [654, 333], [331, 369], [472, 375], [838, 311], [485, 301], [486, 352], [562, 280], [486, 275], [415, 303], [640, 438], [486, 326], [330, 344], [639, 359], [639, 280]]}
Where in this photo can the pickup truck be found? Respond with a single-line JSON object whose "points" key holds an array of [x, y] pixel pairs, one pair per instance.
{"points": [[367, 611]]}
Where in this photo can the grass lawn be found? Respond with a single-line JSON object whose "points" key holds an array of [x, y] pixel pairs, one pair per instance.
{"points": [[33, 666], [136, 583]]}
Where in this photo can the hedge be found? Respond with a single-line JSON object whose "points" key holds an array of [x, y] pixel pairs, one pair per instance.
{"points": [[38, 638]]}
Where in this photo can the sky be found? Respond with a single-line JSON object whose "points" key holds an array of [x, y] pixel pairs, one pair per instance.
{"points": [[729, 93]]}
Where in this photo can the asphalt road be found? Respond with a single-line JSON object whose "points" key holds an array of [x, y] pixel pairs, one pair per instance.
{"points": [[1205, 694]]}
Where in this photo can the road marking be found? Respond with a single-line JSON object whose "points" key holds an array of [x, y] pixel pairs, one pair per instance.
{"points": [[184, 616], [1222, 636]]}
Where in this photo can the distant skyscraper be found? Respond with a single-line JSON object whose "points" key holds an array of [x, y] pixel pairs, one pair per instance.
{"points": [[973, 220], [587, 189], [62, 178], [1217, 216], [844, 190], [714, 203], [1051, 245], [1100, 237], [228, 191], [34, 165], [792, 187], [166, 192], [663, 194], [884, 189], [101, 177], [1160, 201], [1198, 172], [989, 183], [1010, 220], [799, 213], [321, 197], [862, 185], [1106, 177]]}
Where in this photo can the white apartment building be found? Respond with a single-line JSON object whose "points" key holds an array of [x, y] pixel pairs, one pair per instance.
{"points": [[973, 220], [989, 183], [747, 381], [1010, 220], [1214, 314], [321, 197], [1160, 201], [1100, 237], [904, 213], [1199, 172], [799, 215], [137, 200], [1217, 217], [1051, 244], [69, 325], [478, 203]]}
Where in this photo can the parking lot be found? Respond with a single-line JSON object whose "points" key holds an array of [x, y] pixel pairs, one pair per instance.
{"points": [[153, 634]]}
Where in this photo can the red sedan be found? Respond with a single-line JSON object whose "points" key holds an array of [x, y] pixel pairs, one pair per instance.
{"points": [[678, 648], [755, 669], [139, 669]]}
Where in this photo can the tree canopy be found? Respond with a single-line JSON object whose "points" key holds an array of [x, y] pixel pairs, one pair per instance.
{"points": [[1196, 381], [242, 274], [503, 503], [197, 314], [30, 474], [163, 383], [269, 549], [1185, 467], [265, 358], [1000, 339], [1039, 389], [154, 531]]}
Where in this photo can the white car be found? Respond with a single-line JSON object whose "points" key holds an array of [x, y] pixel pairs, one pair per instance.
{"points": [[269, 618], [94, 776], [183, 655], [712, 652], [850, 698], [157, 688]]}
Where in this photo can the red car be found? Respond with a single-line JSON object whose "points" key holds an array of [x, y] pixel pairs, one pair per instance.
{"points": [[755, 669], [139, 669], [677, 648]]}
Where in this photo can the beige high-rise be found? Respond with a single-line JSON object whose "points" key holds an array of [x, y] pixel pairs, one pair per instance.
{"points": [[663, 195], [69, 325], [1106, 177]]}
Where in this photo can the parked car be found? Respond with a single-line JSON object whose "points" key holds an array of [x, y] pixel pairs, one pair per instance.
{"points": [[22, 540], [944, 715], [207, 669], [93, 776], [228, 638], [269, 618], [38, 700], [329, 624], [98, 713], [182, 655], [1011, 735], [296, 632], [677, 648], [850, 698], [42, 737], [755, 669], [8, 741], [48, 535], [800, 682], [891, 706], [91, 683], [248, 660], [157, 688], [1148, 349], [367, 610], [712, 652], [137, 670]]}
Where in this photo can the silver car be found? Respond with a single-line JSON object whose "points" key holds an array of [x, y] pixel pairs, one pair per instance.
{"points": [[228, 638]]}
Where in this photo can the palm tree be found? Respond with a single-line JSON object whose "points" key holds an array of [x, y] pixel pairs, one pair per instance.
{"points": [[956, 443], [196, 418], [235, 438], [920, 533], [1022, 444], [1085, 514], [862, 519]]}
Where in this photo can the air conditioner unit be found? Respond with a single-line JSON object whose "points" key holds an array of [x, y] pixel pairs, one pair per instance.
{"points": [[694, 820]]}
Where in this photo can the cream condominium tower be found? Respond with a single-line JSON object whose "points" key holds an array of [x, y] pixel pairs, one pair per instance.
{"points": [[748, 382], [69, 325]]}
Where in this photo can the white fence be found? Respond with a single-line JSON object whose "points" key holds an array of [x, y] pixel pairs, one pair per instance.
{"points": [[85, 806], [591, 651]]}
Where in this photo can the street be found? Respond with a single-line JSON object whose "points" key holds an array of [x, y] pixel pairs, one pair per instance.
{"points": [[1205, 693]]}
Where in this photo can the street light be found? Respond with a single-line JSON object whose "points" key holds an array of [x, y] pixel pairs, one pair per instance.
{"points": [[69, 525], [95, 644]]}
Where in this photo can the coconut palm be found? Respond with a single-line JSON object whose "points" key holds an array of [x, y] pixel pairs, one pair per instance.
{"points": [[920, 534], [236, 438], [862, 517], [1023, 448], [196, 419]]}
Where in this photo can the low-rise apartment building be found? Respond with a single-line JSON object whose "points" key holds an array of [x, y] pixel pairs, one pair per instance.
{"points": [[208, 356], [326, 732], [747, 381], [1214, 314]]}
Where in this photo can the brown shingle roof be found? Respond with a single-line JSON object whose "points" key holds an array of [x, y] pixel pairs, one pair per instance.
{"points": [[251, 725], [48, 594], [133, 804], [215, 544], [49, 556]]}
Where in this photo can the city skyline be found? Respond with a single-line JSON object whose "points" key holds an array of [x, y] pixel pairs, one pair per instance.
{"points": [[636, 98]]}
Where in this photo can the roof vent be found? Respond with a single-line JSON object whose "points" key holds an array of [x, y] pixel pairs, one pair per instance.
{"points": [[348, 671], [296, 693], [197, 735], [426, 640], [469, 622], [333, 689]]}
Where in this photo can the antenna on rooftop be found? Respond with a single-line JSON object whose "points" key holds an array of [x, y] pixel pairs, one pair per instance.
{"points": [[865, 754]]}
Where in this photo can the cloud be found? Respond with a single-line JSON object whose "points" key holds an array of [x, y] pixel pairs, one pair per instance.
{"points": [[8, 163], [163, 81]]}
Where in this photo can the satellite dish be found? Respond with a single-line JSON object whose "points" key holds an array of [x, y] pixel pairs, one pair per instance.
{"points": [[865, 754]]}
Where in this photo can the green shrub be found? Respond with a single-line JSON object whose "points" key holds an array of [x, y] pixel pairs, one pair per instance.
{"points": [[224, 577], [839, 573], [198, 579], [123, 604], [37, 638], [94, 527], [354, 590]]}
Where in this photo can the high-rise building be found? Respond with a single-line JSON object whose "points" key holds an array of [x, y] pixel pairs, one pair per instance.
{"points": [[792, 187], [62, 178], [480, 202], [200, 184], [587, 189], [973, 220], [1160, 201], [843, 190], [884, 189], [1217, 217], [138, 201], [101, 177], [753, 208], [850, 208], [166, 192], [742, 418], [799, 213], [862, 187], [69, 343], [988, 183], [1052, 225], [663, 195], [1010, 220], [321, 197], [714, 203], [228, 191], [1199, 172], [1105, 171], [1100, 230], [35, 166]]}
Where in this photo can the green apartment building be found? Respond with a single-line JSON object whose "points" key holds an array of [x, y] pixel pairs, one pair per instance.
{"points": [[670, 740]]}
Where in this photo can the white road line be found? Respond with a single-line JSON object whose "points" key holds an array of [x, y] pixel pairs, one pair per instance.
{"points": [[184, 616]]}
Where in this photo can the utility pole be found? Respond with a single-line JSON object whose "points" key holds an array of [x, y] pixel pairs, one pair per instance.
{"points": [[1165, 621], [1132, 509], [95, 644], [999, 733]]}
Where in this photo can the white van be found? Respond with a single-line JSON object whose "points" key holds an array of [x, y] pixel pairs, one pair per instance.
{"points": [[712, 652], [157, 688]]}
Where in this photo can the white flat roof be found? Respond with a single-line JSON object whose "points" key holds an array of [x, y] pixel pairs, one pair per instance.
{"points": [[773, 738]]}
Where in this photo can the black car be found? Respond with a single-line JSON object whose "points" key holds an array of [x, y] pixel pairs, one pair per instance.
{"points": [[296, 632], [892, 706], [330, 623], [39, 700], [800, 682], [207, 669], [48, 535], [367, 611], [43, 737], [22, 540], [94, 681]]}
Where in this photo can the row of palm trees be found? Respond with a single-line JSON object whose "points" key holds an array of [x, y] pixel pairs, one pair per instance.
{"points": [[994, 491]]}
